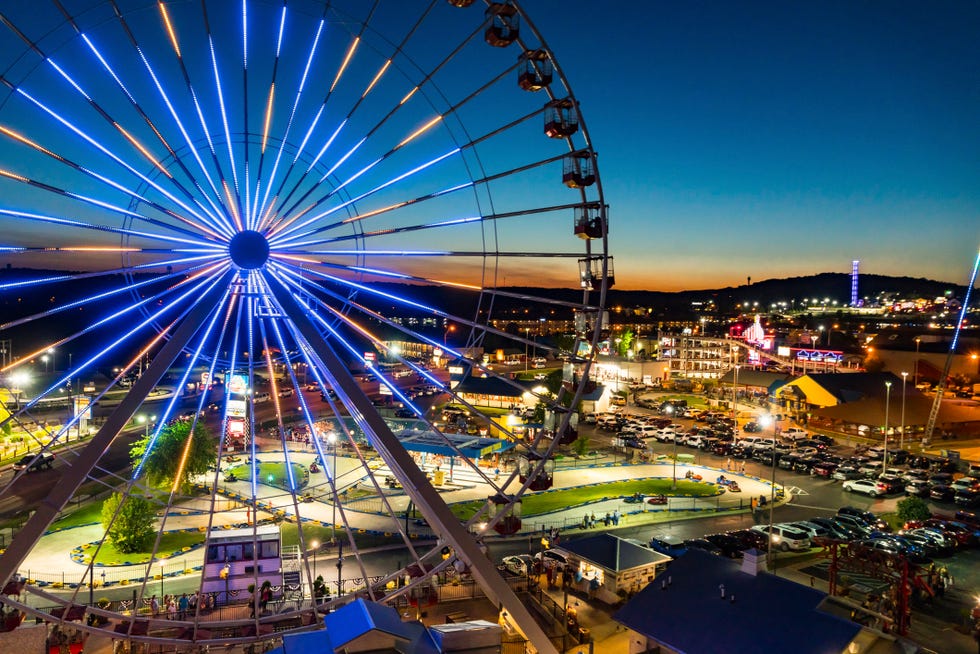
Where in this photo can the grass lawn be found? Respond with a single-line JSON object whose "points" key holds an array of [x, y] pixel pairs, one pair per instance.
{"points": [[539, 503], [86, 515], [171, 541], [272, 473]]}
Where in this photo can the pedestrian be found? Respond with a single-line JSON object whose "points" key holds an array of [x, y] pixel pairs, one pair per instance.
{"points": [[607, 519], [154, 606], [728, 464], [741, 467], [182, 605], [592, 521], [172, 609], [616, 517]]}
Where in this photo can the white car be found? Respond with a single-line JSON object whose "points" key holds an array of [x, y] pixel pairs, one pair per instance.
{"points": [[795, 434], [866, 486], [784, 537], [521, 564]]}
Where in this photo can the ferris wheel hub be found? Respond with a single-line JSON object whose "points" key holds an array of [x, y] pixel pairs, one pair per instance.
{"points": [[249, 249]]}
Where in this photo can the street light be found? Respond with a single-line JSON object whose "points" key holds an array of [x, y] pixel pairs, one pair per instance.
{"points": [[527, 335], [332, 439], [161, 581], [316, 546], [735, 399], [766, 421], [884, 454], [901, 442], [669, 409], [915, 364]]}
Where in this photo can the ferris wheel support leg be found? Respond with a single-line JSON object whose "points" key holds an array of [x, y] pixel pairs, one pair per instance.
{"points": [[413, 480], [74, 475]]}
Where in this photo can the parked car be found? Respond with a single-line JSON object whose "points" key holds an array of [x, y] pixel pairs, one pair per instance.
{"points": [[811, 529], [941, 493], [520, 564], [704, 545], [845, 472], [917, 488], [795, 434], [785, 538], [867, 517], [835, 529], [668, 545], [966, 483], [824, 469], [751, 427], [730, 546], [748, 538], [968, 497], [889, 484], [866, 486]]}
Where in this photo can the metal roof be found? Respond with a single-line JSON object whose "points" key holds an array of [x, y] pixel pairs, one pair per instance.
{"points": [[755, 613]]}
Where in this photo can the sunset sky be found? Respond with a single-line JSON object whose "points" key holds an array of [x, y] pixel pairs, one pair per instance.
{"points": [[775, 139], [735, 139]]}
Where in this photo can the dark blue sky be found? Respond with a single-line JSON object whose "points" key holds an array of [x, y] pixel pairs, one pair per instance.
{"points": [[774, 139], [735, 140]]}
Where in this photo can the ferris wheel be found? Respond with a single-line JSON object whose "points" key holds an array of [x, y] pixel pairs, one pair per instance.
{"points": [[358, 249]]}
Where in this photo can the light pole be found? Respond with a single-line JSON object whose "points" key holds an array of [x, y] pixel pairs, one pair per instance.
{"points": [[332, 439], [884, 454], [316, 546], [445, 334], [735, 400], [670, 411], [901, 442], [161, 581], [527, 335], [915, 364], [767, 422]]}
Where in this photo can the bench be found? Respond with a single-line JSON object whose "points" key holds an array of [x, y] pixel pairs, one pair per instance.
{"points": [[456, 616]]}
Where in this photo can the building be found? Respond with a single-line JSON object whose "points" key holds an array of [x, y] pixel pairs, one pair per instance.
{"points": [[610, 568], [706, 604]]}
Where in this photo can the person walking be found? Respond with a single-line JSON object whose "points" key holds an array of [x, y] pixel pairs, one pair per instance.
{"points": [[182, 605]]}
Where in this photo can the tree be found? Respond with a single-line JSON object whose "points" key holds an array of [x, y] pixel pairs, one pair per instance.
{"points": [[581, 446], [913, 508], [132, 530], [161, 464]]}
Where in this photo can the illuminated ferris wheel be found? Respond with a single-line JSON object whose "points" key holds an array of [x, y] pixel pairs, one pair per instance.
{"points": [[306, 229]]}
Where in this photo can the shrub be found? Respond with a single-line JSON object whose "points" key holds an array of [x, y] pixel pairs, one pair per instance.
{"points": [[913, 508]]}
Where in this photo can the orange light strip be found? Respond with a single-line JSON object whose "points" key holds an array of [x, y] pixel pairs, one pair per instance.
{"points": [[232, 204], [170, 27], [419, 131], [26, 141], [377, 77], [343, 66], [139, 146], [268, 117]]}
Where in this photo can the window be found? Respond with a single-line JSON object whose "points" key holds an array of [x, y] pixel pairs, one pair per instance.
{"points": [[216, 554], [269, 549], [234, 552]]}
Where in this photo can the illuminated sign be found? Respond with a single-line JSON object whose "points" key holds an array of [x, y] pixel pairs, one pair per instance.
{"points": [[384, 390], [236, 384], [236, 427], [236, 408], [205, 378], [455, 370], [783, 351], [369, 359]]}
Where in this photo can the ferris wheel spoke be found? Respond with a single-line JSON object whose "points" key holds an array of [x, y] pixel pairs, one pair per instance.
{"points": [[196, 228], [259, 206], [378, 75], [105, 114], [114, 157], [368, 134], [164, 96]]}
